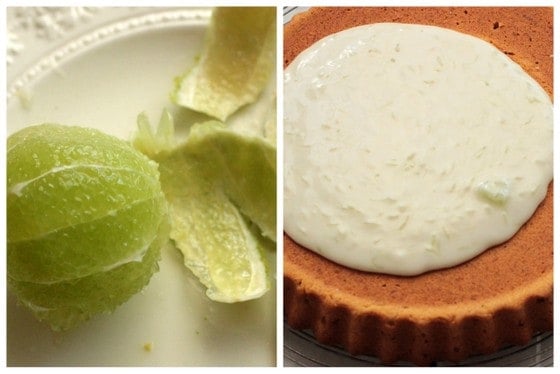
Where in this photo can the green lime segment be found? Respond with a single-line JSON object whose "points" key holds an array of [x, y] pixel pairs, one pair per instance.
{"points": [[221, 187], [81, 205], [75, 174], [237, 60], [124, 235], [64, 305]]}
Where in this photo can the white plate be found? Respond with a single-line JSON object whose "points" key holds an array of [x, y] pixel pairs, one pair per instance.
{"points": [[301, 348], [100, 68]]}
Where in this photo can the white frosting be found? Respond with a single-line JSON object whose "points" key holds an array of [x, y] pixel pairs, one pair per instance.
{"points": [[409, 148]]}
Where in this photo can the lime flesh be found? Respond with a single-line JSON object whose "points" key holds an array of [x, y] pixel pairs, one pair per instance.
{"points": [[86, 220]]}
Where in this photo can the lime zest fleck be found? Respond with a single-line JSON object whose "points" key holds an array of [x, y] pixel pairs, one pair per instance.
{"points": [[148, 346], [496, 192]]}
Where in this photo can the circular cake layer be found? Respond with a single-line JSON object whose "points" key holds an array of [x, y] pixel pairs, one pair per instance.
{"points": [[501, 297]]}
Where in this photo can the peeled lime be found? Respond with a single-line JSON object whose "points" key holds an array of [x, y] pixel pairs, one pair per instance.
{"points": [[235, 65], [86, 220]]}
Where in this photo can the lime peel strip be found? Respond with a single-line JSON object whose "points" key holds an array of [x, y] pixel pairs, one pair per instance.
{"points": [[193, 190], [235, 65]]}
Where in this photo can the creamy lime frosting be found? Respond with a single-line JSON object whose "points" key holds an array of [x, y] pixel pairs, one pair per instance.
{"points": [[409, 148]]}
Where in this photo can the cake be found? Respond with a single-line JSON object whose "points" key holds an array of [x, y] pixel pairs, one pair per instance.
{"points": [[501, 297]]}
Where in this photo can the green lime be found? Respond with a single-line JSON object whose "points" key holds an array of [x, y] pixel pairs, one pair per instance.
{"points": [[86, 220]]}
